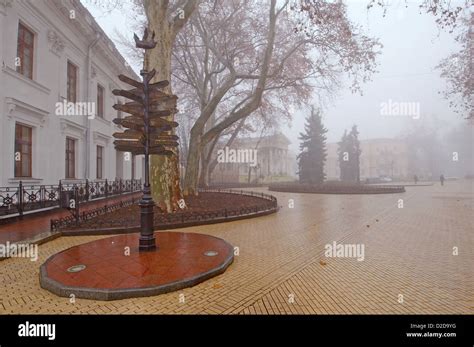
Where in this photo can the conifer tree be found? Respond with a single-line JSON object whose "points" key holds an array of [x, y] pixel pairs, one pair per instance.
{"points": [[313, 150]]}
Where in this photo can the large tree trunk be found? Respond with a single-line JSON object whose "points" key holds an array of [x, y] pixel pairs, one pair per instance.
{"points": [[212, 163], [203, 177], [206, 162], [195, 142], [164, 171], [192, 165]]}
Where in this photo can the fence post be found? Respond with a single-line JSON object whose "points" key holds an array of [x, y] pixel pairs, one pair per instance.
{"points": [[76, 206], [20, 199], [87, 190], [42, 196], [60, 191]]}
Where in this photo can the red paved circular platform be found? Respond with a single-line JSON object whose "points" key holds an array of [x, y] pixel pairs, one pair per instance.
{"points": [[115, 269]]}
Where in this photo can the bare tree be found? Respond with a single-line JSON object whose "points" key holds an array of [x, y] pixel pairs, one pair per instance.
{"points": [[457, 69], [232, 60], [237, 61]]}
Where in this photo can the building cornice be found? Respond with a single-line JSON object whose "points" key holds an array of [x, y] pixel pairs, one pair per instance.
{"points": [[85, 25], [67, 124], [4, 5], [38, 114], [98, 136]]}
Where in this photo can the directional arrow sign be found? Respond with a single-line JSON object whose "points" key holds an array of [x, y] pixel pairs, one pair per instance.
{"points": [[128, 95], [129, 146], [155, 134], [129, 135], [138, 127], [138, 135], [138, 144], [157, 122], [153, 93], [165, 137], [139, 85], [138, 95], [160, 122], [154, 118], [157, 105], [138, 111], [139, 151], [130, 81], [130, 125], [165, 143]]}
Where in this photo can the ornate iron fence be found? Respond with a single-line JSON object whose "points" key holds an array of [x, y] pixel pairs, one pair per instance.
{"points": [[170, 219], [24, 198]]}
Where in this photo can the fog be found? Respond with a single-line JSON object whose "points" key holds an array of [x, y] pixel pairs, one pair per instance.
{"points": [[413, 45]]}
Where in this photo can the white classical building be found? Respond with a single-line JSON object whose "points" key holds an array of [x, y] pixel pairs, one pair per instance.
{"points": [[53, 52], [274, 161]]}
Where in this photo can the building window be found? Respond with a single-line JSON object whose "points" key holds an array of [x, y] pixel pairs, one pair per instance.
{"points": [[100, 161], [100, 101], [70, 158], [71, 82], [23, 150], [25, 50]]}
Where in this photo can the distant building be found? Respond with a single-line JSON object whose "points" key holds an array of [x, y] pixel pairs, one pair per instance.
{"points": [[274, 161], [54, 53], [379, 158]]}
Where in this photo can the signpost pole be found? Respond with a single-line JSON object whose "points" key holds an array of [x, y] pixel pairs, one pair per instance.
{"points": [[146, 132], [147, 236]]}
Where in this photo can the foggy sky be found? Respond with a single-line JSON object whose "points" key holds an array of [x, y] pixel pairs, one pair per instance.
{"points": [[413, 46]]}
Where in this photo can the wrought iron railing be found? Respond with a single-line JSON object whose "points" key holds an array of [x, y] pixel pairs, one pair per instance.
{"points": [[169, 219], [24, 198]]}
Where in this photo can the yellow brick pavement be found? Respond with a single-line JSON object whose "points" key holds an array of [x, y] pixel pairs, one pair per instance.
{"points": [[281, 267]]}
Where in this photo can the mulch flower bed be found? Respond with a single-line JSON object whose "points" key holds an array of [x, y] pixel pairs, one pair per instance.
{"points": [[205, 205]]}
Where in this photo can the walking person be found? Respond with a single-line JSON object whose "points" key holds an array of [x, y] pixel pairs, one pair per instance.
{"points": [[415, 179], [441, 179]]}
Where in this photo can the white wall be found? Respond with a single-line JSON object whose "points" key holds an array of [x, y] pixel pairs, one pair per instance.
{"points": [[32, 102]]}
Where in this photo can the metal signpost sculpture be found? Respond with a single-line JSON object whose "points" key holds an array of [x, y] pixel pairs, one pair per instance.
{"points": [[146, 132]]}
